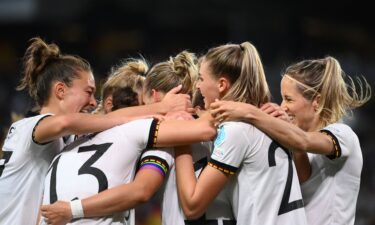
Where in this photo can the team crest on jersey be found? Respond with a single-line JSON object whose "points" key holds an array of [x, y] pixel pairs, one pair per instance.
{"points": [[220, 136]]}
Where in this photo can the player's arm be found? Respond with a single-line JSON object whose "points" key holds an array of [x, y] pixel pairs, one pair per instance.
{"points": [[303, 166], [53, 127], [300, 158], [287, 134], [195, 195], [124, 197], [108, 202], [182, 132]]}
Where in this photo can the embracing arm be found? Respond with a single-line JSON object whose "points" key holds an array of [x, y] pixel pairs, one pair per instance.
{"points": [[287, 134], [181, 132], [57, 126], [53, 127], [195, 195], [117, 199], [124, 197]]}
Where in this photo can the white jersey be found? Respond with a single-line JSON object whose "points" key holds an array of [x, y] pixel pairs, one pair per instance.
{"points": [[218, 211], [97, 162], [331, 193], [264, 187], [23, 168]]}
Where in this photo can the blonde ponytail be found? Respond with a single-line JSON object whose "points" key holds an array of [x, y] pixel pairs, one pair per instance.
{"points": [[243, 67], [181, 69], [327, 80]]}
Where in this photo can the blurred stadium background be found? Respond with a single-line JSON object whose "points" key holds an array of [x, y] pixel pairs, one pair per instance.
{"points": [[104, 32]]}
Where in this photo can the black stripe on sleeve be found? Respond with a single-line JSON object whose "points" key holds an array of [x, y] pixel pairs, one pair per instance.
{"points": [[153, 134], [33, 133], [203, 221], [227, 169], [337, 149]]}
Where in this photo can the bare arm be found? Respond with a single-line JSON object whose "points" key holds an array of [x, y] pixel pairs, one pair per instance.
{"points": [[286, 134], [182, 132], [303, 166], [79, 123], [117, 199], [195, 195], [124, 197], [54, 127]]}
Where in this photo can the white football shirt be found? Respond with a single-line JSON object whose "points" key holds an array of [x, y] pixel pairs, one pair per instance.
{"points": [[264, 187], [331, 193], [23, 168], [97, 162], [218, 211]]}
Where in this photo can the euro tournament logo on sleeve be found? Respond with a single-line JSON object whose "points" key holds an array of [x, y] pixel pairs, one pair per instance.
{"points": [[220, 136]]}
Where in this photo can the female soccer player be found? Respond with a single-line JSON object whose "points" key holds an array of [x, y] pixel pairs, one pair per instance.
{"points": [[316, 98], [259, 174]]}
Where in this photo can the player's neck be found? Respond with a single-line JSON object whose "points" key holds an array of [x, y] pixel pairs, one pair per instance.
{"points": [[50, 109]]}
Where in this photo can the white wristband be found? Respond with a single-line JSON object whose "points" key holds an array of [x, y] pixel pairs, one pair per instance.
{"points": [[77, 209]]}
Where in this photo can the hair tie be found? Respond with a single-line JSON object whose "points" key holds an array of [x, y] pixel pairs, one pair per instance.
{"points": [[300, 83]]}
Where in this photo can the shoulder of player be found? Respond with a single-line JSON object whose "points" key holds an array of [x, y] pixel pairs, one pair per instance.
{"points": [[138, 122], [346, 139], [24, 125], [130, 126], [340, 129], [237, 127], [234, 131], [29, 120], [235, 124]]}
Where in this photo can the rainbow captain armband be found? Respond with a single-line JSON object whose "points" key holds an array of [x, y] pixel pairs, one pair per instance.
{"points": [[77, 209], [154, 163]]}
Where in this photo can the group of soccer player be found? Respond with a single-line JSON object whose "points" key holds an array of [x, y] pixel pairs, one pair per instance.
{"points": [[201, 131]]}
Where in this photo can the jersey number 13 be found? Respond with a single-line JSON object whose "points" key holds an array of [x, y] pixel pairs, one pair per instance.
{"points": [[85, 169]]}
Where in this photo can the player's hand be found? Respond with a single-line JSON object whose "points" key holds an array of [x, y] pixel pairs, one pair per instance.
{"points": [[59, 213], [173, 101], [228, 111], [205, 115], [275, 110]]}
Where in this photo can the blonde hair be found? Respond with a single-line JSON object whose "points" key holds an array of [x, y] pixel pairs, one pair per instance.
{"points": [[242, 65], [325, 78], [181, 69], [129, 74], [44, 64]]}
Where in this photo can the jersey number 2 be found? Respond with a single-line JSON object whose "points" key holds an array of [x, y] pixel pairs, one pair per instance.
{"points": [[285, 205], [85, 169]]}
